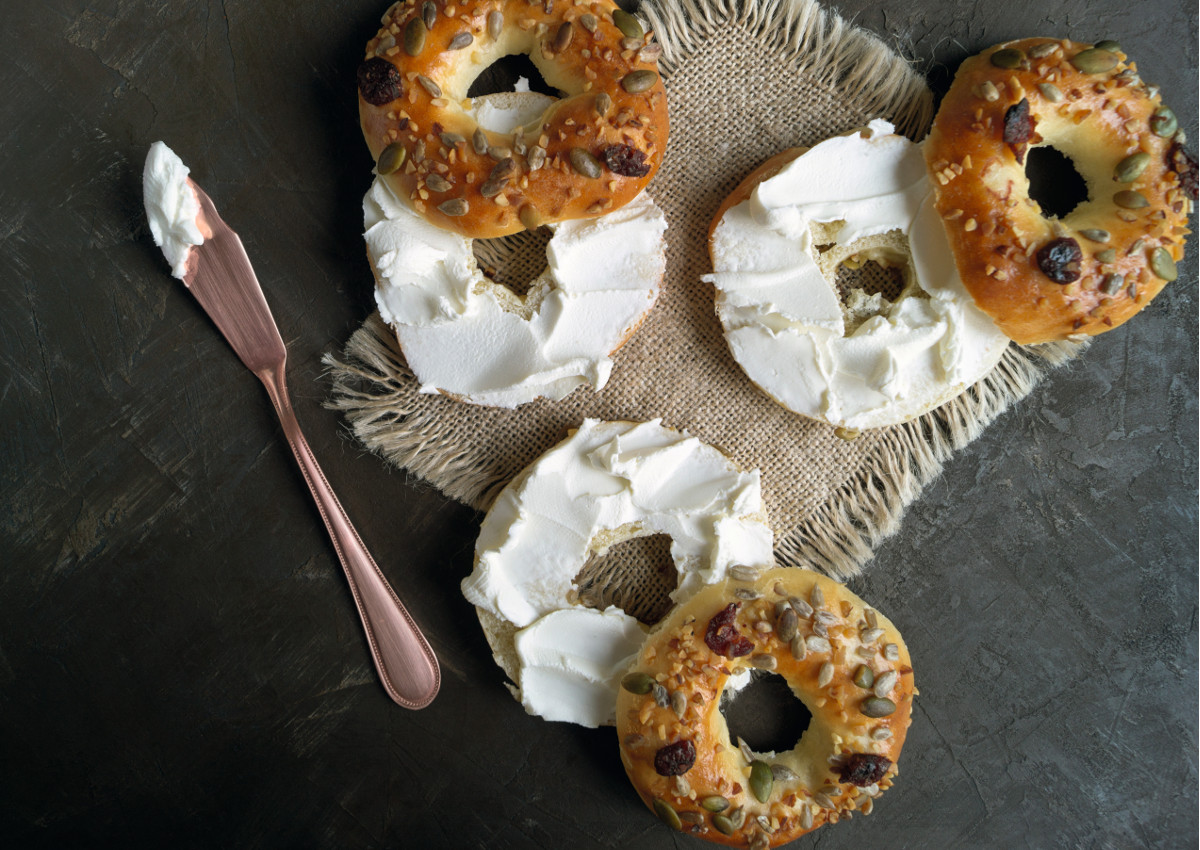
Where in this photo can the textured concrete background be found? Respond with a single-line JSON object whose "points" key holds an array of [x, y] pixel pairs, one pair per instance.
{"points": [[180, 661]]}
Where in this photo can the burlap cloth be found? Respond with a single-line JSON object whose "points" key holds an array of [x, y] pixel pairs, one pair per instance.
{"points": [[745, 80]]}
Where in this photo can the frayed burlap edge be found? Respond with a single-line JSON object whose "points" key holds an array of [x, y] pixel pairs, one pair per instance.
{"points": [[840, 536]]}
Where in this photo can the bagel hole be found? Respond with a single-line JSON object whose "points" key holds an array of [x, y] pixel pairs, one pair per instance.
{"points": [[1053, 181], [636, 575], [502, 76], [766, 714], [514, 261], [858, 283]]}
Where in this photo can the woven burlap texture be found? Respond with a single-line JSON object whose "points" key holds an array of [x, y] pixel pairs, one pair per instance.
{"points": [[745, 80]]}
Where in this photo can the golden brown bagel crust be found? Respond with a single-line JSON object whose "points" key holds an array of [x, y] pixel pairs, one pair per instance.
{"points": [[1099, 117], [491, 184], [815, 783]]}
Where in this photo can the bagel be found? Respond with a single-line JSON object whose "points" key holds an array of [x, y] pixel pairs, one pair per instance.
{"points": [[587, 154], [858, 360], [1046, 278], [844, 661], [608, 482]]}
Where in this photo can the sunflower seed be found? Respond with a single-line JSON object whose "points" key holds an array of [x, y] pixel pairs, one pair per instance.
{"points": [[585, 164], [823, 801], [802, 607], [763, 661], [530, 217], [816, 643], [871, 635], [454, 207], [429, 85], [881, 733], [588, 21], [536, 157], [603, 103], [891, 652], [885, 682], [438, 183], [806, 818], [1112, 284], [1096, 235], [745, 750], [817, 597], [505, 169], [661, 698], [479, 141], [825, 676], [737, 817], [799, 648], [1043, 49], [461, 40], [820, 629], [827, 617], [678, 703], [746, 593], [1106, 256], [562, 38], [650, 53], [451, 140], [429, 13], [495, 23], [682, 788], [1051, 92], [499, 152], [744, 572], [787, 624]]}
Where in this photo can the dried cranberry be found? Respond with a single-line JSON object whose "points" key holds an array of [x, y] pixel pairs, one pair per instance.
{"points": [[1018, 128], [863, 769], [722, 636], [379, 82], [1059, 260], [1180, 160], [626, 160], [675, 759]]}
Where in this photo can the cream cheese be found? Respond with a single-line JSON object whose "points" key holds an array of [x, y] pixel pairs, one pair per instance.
{"points": [[171, 206], [608, 480], [467, 336], [782, 316]]}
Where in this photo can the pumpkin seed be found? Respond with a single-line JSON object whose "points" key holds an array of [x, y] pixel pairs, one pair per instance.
{"points": [[877, 707], [562, 37], [429, 85], [1163, 122], [1096, 235], [463, 39], [761, 780], [1106, 256], [639, 81], [723, 825], [629, 26], [1112, 284], [1109, 45], [495, 23], [1131, 167], [638, 683], [429, 14], [1051, 92], [530, 217], [1094, 61], [438, 183], [864, 676], [603, 103], [1162, 264], [1130, 200], [479, 141], [414, 36], [584, 163], [454, 207], [667, 814], [788, 622], [715, 803], [391, 158], [588, 21], [1009, 57]]}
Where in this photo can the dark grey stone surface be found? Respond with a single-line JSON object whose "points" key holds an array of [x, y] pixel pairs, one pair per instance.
{"points": [[180, 661]]}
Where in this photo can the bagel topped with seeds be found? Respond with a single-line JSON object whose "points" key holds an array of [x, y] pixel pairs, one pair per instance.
{"points": [[1043, 278], [847, 664], [587, 154]]}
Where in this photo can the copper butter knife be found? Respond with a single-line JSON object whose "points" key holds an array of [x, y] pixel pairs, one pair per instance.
{"points": [[219, 275]]}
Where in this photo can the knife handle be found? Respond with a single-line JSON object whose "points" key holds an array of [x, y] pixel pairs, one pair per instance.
{"points": [[406, 664]]}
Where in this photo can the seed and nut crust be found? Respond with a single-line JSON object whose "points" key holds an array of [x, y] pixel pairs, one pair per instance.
{"points": [[1089, 103], [740, 798], [615, 98]]}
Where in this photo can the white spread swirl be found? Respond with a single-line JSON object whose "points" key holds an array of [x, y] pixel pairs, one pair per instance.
{"points": [[782, 316], [465, 335], [171, 206], [624, 477]]}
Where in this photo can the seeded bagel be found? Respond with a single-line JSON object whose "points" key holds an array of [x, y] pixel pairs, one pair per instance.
{"points": [[589, 153], [845, 662], [1043, 278]]}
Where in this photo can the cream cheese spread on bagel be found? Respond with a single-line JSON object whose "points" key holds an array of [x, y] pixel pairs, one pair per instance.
{"points": [[862, 361], [607, 482]]}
